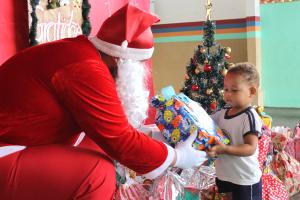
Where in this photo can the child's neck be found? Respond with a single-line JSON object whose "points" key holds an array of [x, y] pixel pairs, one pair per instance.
{"points": [[236, 110]]}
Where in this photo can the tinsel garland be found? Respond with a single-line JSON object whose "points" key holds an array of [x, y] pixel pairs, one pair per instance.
{"points": [[86, 24], [33, 27]]}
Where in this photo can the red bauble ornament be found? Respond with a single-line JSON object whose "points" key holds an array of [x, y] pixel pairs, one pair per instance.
{"points": [[195, 87], [207, 68], [213, 105]]}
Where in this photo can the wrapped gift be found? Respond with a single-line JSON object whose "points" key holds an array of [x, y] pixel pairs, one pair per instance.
{"points": [[296, 131], [263, 147], [273, 188], [285, 166], [297, 148], [178, 116]]}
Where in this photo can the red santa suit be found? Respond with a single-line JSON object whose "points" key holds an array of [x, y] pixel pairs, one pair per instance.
{"points": [[49, 94]]}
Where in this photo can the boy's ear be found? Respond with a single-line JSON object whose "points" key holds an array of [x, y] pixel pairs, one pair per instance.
{"points": [[253, 90]]}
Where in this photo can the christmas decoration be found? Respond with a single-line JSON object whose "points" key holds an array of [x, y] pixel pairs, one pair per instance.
{"points": [[207, 69], [57, 19]]}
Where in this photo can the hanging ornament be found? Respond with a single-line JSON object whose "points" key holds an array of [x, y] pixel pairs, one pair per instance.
{"points": [[213, 105], [192, 61], [207, 68], [195, 96], [52, 4], [197, 70], [214, 80], [223, 72], [227, 50], [221, 92], [231, 65], [227, 56], [186, 77], [76, 3], [209, 91], [205, 61], [202, 50], [195, 87]]}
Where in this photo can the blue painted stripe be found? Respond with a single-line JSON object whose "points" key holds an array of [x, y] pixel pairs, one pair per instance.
{"points": [[196, 28], [177, 29], [192, 38]]}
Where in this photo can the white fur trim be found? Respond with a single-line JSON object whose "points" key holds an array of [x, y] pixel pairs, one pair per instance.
{"points": [[79, 139], [7, 150], [158, 171], [119, 52]]}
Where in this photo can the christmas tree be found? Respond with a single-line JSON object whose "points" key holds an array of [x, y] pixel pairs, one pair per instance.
{"points": [[206, 70]]}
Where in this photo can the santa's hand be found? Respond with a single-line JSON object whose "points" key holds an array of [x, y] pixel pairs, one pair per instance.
{"points": [[187, 156]]}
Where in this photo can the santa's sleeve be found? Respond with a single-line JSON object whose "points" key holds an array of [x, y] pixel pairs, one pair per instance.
{"points": [[88, 91]]}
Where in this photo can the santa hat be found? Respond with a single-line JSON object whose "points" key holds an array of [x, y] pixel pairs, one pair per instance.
{"points": [[127, 34]]}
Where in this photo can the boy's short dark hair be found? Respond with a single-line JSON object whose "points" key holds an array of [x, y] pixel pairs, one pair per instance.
{"points": [[248, 71]]}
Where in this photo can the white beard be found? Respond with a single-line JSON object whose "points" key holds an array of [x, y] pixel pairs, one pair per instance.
{"points": [[132, 90]]}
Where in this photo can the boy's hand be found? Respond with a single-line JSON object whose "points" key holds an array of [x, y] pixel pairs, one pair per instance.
{"points": [[217, 149]]}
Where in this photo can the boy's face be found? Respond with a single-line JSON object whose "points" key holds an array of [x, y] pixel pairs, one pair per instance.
{"points": [[238, 93]]}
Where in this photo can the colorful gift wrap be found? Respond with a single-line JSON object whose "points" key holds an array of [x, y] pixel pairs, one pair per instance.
{"points": [[179, 116]]}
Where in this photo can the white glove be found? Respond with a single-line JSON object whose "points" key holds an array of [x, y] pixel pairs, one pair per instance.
{"points": [[187, 156]]}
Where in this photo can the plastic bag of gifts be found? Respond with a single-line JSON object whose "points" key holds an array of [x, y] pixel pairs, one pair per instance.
{"points": [[283, 165], [296, 134], [200, 182], [130, 186], [283, 138], [169, 186], [178, 116]]}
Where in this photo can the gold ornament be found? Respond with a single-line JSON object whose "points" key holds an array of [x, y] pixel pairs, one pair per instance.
{"points": [[198, 69], [186, 77], [208, 7], [228, 50], [209, 91], [223, 72], [231, 65], [221, 92], [202, 50], [132, 174]]}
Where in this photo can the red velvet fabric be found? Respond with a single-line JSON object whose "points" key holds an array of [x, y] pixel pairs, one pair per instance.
{"points": [[52, 92], [57, 172]]}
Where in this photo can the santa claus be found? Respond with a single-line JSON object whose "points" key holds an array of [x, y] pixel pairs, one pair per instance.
{"points": [[93, 85]]}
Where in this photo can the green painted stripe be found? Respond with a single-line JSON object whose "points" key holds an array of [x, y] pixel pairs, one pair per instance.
{"points": [[192, 38]]}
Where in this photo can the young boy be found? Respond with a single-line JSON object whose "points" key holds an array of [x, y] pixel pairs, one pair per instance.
{"points": [[237, 167]]}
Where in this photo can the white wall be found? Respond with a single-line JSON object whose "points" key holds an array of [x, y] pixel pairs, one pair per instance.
{"points": [[176, 11]]}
